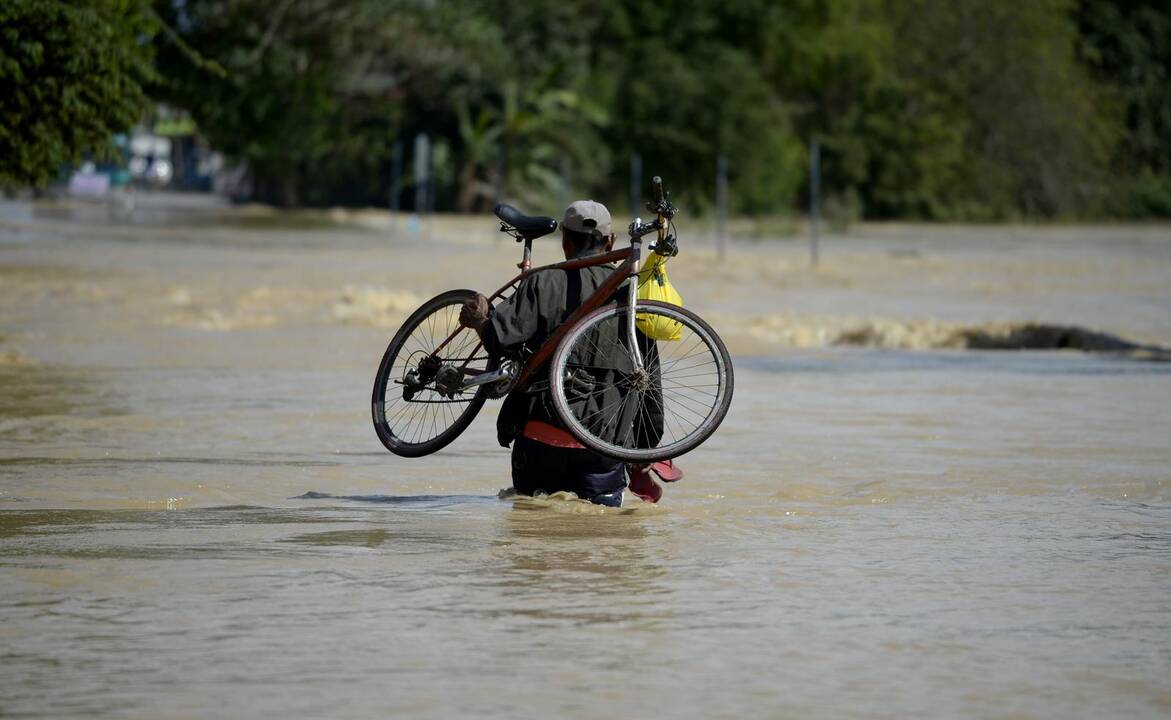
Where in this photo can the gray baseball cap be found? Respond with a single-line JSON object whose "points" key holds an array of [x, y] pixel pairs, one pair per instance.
{"points": [[585, 216]]}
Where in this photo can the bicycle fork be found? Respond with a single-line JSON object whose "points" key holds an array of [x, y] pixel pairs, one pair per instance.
{"points": [[632, 338], [632, 300]]}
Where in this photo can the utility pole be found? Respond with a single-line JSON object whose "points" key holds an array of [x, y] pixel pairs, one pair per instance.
{"points": [[635, 184], [721, 206], [422, 172], [814, 199], [396, 177]]}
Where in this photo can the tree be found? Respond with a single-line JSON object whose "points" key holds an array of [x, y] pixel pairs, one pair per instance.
{"points": [[1036, 135], [277, 105], [971, 109], [71, 76], [1127, 45], [684, 83]]}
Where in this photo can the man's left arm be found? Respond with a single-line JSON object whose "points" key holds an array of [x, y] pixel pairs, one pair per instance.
{"points": [[511, 324]]}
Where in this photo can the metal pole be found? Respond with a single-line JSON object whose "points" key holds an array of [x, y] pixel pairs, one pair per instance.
{"points": [[635, 183], [430, 181], [396, 176], [422, 171], [501, 171], [566, 181], [814, 199], [721, 205]]}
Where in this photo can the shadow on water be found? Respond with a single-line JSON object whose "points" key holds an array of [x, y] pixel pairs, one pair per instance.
{"points": [[161, 460], [409, 501], [15, 523], [211, 533], [32, 391], [545, 561], [367, 537]]}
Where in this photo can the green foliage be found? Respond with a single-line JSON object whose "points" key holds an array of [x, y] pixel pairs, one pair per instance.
{"points": [[278, 104], [969, 109], [685, 84], [71, 76], [1149, 195], [1007, 122], [1128, 47], [915, 154]]}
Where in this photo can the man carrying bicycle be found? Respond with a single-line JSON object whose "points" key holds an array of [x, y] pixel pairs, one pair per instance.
{"points": [[545, 457]]}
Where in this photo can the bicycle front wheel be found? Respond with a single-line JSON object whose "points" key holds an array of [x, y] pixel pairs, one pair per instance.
{"points": [[414, 413], [670, 405]]}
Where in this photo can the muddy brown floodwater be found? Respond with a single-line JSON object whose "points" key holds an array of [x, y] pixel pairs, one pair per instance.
{"points": [[196, 519]]}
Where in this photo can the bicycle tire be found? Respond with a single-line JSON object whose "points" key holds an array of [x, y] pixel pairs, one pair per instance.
{"points": [[627, 449], [412, 442]]}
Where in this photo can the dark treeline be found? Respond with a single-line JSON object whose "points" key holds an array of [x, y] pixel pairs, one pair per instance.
{"points": [[965, 109]]}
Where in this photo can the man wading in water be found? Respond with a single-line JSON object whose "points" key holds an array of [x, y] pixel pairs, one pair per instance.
{"points": [[545, 457]]}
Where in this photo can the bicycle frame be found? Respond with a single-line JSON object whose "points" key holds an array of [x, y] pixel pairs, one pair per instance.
{"points": [[626, 272]]}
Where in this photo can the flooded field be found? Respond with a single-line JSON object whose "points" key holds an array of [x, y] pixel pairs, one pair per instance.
{"points": [[197, 520]]}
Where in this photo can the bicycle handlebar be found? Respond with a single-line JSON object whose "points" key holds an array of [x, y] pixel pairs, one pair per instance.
{"points": [[638, 228], [661, 205]]}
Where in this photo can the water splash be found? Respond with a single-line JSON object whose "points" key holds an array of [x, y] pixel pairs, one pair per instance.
{"points": [[931, 334]]}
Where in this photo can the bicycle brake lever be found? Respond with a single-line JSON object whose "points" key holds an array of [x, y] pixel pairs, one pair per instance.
{"points": [[663, 207], [668, 247]]}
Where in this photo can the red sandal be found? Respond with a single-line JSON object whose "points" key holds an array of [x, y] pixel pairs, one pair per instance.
{"points": [[643, 485], [667, 471]]}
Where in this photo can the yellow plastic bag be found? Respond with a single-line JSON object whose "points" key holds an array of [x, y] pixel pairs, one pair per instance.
{"points": [[653, 284]]}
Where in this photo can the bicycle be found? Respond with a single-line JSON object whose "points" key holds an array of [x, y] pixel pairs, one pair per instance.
{"points": [[662, 399]]}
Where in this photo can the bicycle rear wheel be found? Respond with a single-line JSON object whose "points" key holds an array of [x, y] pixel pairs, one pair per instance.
{"points": [[413, 414], [670, 406]]}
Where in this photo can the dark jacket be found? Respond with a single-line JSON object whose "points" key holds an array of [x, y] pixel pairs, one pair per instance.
{"points": [[541, 303]]}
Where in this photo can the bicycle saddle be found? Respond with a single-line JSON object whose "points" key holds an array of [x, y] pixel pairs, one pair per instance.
{"points": [[528, 226]]}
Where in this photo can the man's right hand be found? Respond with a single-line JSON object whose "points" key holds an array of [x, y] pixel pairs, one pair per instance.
{"points": [[474, 312]]}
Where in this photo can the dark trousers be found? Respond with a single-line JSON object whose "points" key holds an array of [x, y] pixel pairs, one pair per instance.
{"points": [[537, 467]]}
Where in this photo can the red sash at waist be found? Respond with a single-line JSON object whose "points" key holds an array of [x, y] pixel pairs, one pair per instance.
{"points": [[545, 433]]}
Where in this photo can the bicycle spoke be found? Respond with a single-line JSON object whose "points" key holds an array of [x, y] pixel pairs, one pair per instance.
{"points": [[428, 414], [680, 388], [679, 377], [643, 417], [693, 389], [691, 351], [675, 404], [685, 407], [601, 410]]}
